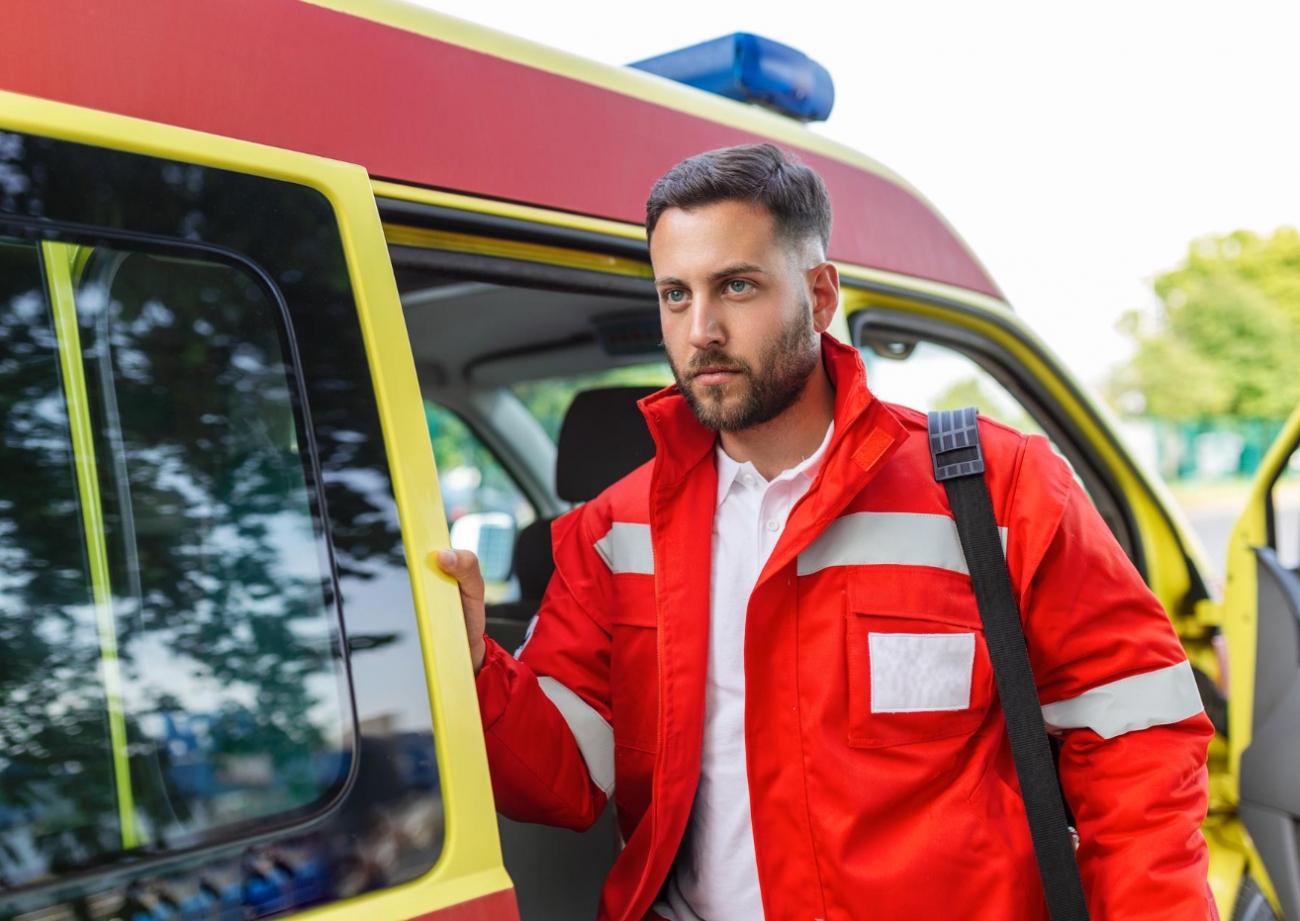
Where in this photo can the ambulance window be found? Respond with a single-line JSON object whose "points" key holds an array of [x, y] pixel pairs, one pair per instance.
{"points": [[548, 399], [173, 657], [485, 508], [927, 376]]}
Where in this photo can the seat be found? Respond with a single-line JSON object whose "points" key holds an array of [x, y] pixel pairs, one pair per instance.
{"points": [[558, 873], [533, 565], [602, 439]]}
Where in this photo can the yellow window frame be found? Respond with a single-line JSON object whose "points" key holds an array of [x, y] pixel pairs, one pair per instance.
{"points": [[470, 866]]}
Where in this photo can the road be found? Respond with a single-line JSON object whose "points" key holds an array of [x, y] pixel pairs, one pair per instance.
{"points": [[1213, 521]]}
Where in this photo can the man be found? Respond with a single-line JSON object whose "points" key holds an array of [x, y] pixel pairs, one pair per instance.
{"points": [[765, 646]]}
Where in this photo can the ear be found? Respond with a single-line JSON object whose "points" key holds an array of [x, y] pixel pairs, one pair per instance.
{"points": [[824, 281]]}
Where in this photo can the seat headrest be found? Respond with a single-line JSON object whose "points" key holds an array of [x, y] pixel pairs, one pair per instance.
{"points": [[533, 560], [603, 439]]}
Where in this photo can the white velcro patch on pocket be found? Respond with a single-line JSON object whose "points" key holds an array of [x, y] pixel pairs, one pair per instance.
{"points": [[916, 672]]}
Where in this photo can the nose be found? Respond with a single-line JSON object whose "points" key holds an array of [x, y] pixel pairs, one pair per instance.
{"points": [[707, 330]]}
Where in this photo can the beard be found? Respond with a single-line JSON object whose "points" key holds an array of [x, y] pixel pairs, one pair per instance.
{"points": [[766, 391]]}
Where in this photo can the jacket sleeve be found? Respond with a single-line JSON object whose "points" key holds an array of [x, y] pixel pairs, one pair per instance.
{"points": [[1117, 688], [546, 716]]}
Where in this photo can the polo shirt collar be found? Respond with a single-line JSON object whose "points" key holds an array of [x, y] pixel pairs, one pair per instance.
{"points": [[729, 468]]}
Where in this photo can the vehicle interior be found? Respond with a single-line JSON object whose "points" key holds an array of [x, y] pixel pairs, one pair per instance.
{"points": [[487, 333], [502, 346], [475, 333]]}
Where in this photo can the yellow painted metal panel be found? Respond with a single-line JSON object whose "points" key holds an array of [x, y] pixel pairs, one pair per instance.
{"points": [[470, 865], [1241, 589], [492, 206], [542, 254], [1227, 862], [1240, 624], [1233, 857]]}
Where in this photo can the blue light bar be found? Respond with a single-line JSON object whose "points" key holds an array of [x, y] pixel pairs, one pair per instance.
{"points": [[751, 68]]}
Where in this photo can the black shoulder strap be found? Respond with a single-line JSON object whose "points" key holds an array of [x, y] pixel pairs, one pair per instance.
{"points": [[959, 466]]}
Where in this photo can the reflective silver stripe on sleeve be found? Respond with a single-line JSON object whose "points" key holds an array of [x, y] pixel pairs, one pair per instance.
{"points": [[594, 736], [888, 538], [626, 548], [1158, 698]]}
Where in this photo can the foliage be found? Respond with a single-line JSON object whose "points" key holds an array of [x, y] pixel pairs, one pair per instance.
{"points": [[471, 479], [548, 400], [1225, 338], [216, 604], [213, 486]]}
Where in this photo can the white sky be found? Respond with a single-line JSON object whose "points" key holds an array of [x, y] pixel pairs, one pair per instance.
{"points": [[1078, 148]]}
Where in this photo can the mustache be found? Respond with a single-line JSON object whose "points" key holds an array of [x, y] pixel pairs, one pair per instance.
{"points": [[714, 359]]}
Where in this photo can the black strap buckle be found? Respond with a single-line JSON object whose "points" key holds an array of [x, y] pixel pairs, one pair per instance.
{"points": [[955, 444]]}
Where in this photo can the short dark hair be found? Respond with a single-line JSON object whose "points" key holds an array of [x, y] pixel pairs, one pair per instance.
{"points": [[761, 174]]}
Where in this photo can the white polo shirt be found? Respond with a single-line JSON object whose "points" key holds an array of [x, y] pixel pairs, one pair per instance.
{"points": [[715, 876]]}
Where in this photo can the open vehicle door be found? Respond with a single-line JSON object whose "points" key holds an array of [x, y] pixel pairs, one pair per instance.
{"points": [[1261, 623], [233, 686]]}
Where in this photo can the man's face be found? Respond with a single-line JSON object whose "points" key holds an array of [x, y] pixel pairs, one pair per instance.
{"points": [[736, 304]]}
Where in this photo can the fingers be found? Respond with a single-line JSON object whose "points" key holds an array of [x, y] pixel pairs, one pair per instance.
{"points": [[462, 565]]}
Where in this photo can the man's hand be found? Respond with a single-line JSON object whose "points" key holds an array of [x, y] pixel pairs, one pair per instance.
{"points": [[462, 566]]}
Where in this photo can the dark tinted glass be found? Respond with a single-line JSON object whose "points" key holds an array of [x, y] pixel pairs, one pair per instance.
{"points": [[58, 789], [222, 594], [180, 221], [178, 670]]}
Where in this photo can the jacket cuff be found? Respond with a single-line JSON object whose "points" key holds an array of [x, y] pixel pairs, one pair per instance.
{"points": [[494, 683]]}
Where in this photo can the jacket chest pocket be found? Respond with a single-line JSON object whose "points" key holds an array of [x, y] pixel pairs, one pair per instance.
{"points": [[634, 677], [916, 672]]}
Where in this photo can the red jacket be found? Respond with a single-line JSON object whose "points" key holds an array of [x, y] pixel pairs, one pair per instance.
{"points": [[858, 813]]}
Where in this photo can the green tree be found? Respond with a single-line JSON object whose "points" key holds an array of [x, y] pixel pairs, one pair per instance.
{"points": [[1225, 337]]}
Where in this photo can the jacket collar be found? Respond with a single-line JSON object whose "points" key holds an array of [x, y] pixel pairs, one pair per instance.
{"points": [[683, 501], [729, 470]]}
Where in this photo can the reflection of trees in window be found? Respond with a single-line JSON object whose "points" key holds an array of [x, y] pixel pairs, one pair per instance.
{"points": [[220, 582], [292, 233], [56, 782], [235, 706]]}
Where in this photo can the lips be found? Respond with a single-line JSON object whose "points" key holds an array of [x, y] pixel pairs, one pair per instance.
{"points": [[716, 374]]}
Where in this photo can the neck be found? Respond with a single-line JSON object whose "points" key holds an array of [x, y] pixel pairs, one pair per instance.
{"points": [[790, 438]]}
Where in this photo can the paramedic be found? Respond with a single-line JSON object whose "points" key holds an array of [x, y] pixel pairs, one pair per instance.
{"points": [[764, 645]]}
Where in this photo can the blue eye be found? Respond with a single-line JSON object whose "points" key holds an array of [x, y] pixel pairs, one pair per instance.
{"points": [[675, 296], [738, 285]]}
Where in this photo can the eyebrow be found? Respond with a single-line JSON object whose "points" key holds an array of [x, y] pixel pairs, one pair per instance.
{"points": [[739, 268]]}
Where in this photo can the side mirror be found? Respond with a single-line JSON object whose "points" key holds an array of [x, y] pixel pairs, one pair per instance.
{"points": [[491, 537], [893, 346]]}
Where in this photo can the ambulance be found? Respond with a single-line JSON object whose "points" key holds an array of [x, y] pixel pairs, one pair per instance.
{"points": [[293, 294]]}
